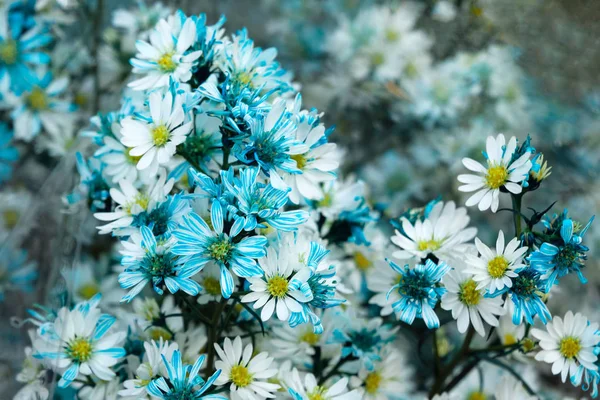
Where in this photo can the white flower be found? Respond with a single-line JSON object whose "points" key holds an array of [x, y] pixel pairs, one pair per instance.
{"points": [[151, 368], [495, 268], [281, 289], [380, 279], [248, 375], [191, 343], [567, 344], [77, 343], [362, 258], [468, 304], [147, 311], [390, 377], [511, 389], [309, 389], [507, 332], [165, 56], [131, 202], [209, 279], [444, 233], [500, 172], [156, 140], [101, 391], [317, 164]]}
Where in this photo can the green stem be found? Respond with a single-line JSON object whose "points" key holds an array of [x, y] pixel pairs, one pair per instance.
{"points": [[225, 165], [516, 201], [458, 358], [514, 373], [214, 336]]}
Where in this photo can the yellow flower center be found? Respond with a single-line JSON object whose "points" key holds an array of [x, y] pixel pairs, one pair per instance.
{"points": [[497, 266], [8, 52], [277, 286], [570, 346], [166, 63], [245, 78], [317, 394], [37, 99], [377, 59], [510, 339], [220, 250], [156, 333], [310, 337], [468, 293], [372, 382], [326, 201], [80, 349], [411, 70], [141, 200], [81, 99], [133, 160], [10, 217], [391, 35], [212, 286], [429, 245], [300, 160], [477, 396], [88, 290], [528, 345], [240, 376], [160, 135], [361, 261], [496, 176]]}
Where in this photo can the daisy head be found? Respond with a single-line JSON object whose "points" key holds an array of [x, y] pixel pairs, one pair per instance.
{"points": [[248, 375], [493, 269], [568, 343], [502, 171]]}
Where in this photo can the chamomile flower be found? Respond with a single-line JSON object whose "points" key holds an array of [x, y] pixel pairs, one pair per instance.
{"points": [[208, 279], [568, 343], [309, 389], [444, 232], [247, 374], [493, 269], [154, 139], [468, 304], [379, 279], [151, 368], [76, 343], [501, 172], [281, 289], [166, 57], [390, 376], [510, 389]]}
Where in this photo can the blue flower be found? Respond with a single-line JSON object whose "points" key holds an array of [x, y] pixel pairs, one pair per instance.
{"points": [[587, 379], [565, 255], [165, 217], [526, 294], [184, 381], [258, 203], [199, 244], [363, 339], [149, 261], [20, 50], [419, 292], [322, 284], [16, 272], [8, 153], [93, 188]]}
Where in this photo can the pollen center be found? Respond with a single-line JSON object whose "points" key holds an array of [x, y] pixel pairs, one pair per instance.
{"points": [[372, 382], [570, 346], [8, 52], [277, 286], [133, 160], [220, 250], [477, 396], [37, 99], [166, 63], [240, 376], [318, 393], [496, 177], [300, 160], [160, 135], [468, 293], [310, 337], [361, 261], [80, 349], [429, 245], [88, 290], [211, 286], [497, 266]]}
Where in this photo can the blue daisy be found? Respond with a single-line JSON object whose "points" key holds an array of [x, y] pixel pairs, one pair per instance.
{"points": [[526, 294], [8, 153]]}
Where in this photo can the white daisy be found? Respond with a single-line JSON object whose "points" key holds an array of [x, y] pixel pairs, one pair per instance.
{"points": [[500, 172], [510, 389], [362, 258], [156, 139], [192, 342], [567, 344], [248, 375], [280, 289], [390, 377], [165, 56], [468, 304], [495, 268], [444, 233], [147, 311], [309, 389], [380, 279], [209, 279], [507, 332], [152, 367]]}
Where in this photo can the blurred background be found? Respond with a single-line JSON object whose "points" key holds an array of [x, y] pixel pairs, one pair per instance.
{"points": [[412, 88]]}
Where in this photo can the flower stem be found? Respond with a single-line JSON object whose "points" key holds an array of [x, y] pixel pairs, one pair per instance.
{"points": [[516, 202], [458, 358]]}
